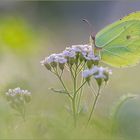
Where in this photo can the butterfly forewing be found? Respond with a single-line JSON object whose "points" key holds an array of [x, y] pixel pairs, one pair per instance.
{"points": [[120, 42]]}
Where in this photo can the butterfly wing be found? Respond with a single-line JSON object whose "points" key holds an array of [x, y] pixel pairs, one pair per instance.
{"points": [[120, 42]]}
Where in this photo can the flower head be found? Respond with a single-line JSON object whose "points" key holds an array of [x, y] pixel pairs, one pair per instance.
{"points": [[59, 58], [86, 73], [69, 52], [18, 95], [99, 73], [17, 98], [71, 55], [103, 73], [17, 91], [77, 48], [51, 58]]}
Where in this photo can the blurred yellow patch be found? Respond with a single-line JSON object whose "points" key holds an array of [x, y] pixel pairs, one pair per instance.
{"points": [[17, 35]]}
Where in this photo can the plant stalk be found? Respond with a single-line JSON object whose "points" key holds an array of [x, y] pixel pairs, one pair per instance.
{"points": [[94, 105]]}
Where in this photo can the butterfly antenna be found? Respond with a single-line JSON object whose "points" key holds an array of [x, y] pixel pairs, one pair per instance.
{"points": [[92, 34]]}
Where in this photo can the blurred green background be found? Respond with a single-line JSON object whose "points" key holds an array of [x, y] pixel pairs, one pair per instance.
{"points": [[31, 30]]}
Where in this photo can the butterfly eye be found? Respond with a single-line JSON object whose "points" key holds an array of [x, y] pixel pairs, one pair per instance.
{"points": [[93, 37]]}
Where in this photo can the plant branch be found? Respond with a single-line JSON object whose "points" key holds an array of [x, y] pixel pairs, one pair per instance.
{"points": [[81, 67], [81, 86], [94, 105], [60, 79], [80, 95], [74, 95]]}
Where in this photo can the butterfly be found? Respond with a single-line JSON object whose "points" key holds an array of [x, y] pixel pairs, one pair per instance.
{"points": [[119, 42]]}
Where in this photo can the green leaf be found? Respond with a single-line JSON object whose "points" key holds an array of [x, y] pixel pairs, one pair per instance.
{"points": [[119, 42], [58, 91], [116, 107]]}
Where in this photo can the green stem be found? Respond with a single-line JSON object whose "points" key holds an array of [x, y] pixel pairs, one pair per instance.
{"points": [[74, 111], [60, 79], [71, 72], [23, 114], [74, 97], [81, 86], [21, 110], [82, 67], [80, 95], [94, 105]]}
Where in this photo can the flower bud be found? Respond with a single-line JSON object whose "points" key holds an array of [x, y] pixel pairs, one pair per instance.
{"points": [[61, 66], [77, 55], [71, 61], [106, 76], [99, 81], [96, 62], [89, 64], [48, 66], [53, 64], [81, 58]]}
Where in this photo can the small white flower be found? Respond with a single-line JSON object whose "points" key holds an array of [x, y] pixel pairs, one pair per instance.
{"points": [[100, 76], [86, 53], [102, 73], [82, 48], [86, 73], [89, 72], [59, 58], [26, 92], [98, 72], [69, 52], [17, 90], [77, 48], [51, 58], [89, 56], [43, 62], [94, 69], [87, 48], [109, 71]]}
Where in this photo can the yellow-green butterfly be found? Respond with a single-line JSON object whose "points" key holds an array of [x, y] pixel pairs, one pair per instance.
{"points": [[119, 42]]}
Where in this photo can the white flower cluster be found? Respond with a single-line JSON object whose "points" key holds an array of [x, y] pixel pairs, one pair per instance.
{"points": [[18, 95], [97, 72], [58, 58], [71, 55], [17, 91]]}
